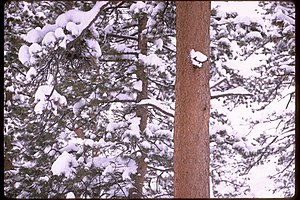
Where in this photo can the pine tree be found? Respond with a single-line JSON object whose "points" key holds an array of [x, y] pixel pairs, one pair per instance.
{"points": [[104, 118], [105, 155], [191, 140]]}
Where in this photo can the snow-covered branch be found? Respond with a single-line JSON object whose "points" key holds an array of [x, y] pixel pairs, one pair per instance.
{"points": [[123, 36], [218, 83], [157, 105], [230, 92], [92, 15]]}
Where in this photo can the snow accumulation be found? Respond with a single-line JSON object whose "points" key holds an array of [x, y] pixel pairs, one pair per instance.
{"points": [[254, 34], [157, 104], [151, 22], [288, 68], [134, 129], [34, 36], [137, 7], [50, 79], [242, 8], [248, 20], [101, 162], [244, 67], [72, 146], [78, 105], [45, 102], [197, 58], [62, 37], [160, 6], [239, 145], [89, 142], [79, 18], [64, 164], [131, 168], [49, 39], [94, 45], [159, 43], [108, 29], [138, 85], [238, 90], [59, 33], [151, 59], [28, 55], [126, 167], [150, 129], [31, 73], [24, 55], [140, 6], [289, 29], [112, 126], [123, 48], [164, 133], [224, 41], [146, 144], [75, 21], [73, 28], [70, 195], [34, 49], [123, 96], [280, 16], [259, 181], [44, 178]]}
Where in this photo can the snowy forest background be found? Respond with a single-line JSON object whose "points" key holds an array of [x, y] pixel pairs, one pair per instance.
{"points": [[71, 85]]}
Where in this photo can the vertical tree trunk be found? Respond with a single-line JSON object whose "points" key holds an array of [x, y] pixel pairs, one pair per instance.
{"points": [[69, 5], [141, 111], [7, 148], [191, 138]]}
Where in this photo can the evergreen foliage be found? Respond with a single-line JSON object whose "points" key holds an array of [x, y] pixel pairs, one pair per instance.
{"points": [[84, 114]]}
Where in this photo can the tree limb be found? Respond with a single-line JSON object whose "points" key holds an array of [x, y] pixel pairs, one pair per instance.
{"points": [[158, 108], [228, 94], [73, 42]]}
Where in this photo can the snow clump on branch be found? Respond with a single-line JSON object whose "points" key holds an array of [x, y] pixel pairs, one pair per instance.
{"points": [[197, 58], [67, 25]]}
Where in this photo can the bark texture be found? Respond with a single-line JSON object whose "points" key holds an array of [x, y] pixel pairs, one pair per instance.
{"points": [[7, 148], [141, 110], [191, 138]]}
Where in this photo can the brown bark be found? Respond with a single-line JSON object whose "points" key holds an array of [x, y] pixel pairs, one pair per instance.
{"points": [[69, 5], [79, 133], [141, 111], [7, 164], [8, 147], [192, 111]]}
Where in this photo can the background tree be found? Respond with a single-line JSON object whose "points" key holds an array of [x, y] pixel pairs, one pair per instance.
{"points": [[103, 135], [252, 73], [191, 139]]}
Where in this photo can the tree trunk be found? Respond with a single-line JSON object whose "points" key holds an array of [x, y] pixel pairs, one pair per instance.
{"points": [[7, 148], [141, 110], [191, 137], [69, 5]]}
